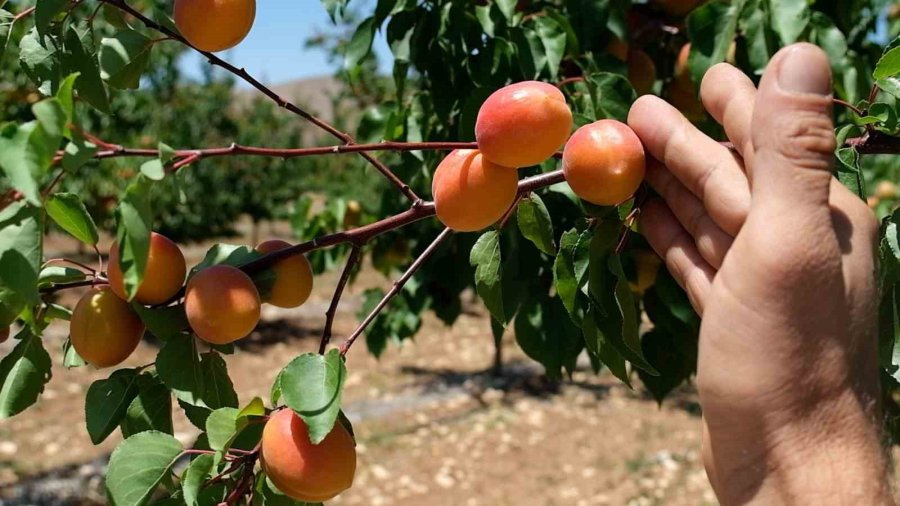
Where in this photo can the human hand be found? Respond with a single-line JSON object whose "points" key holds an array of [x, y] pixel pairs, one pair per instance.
{"points": [[778, 258]]}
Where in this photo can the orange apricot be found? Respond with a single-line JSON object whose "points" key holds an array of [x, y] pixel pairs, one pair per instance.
{"points": [[470, 192], [676, 7], [886, 190], [683, 91], [104, 329], [222, 304], [523, 124], [214, 25], [604, 162], [293, 277], [4, 335], [647, 267], [300, 469], [163, 275]]}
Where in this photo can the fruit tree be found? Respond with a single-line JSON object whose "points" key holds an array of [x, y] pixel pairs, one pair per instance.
{"points": [[499, 161]]}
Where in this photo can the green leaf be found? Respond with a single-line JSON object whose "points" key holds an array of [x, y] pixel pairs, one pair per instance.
{"points": [[71, 358], [222, 426], [163, 322], [673, 355], [22, 159], [6, 19], [508, 8], [849, 173], [45, 11], [254, 408], [600, 349], [151, 409], [311, 385], [90, 85], [107, 401], [23, 374], [569, 268], [133, 233], [485, 257], [546, 334], [789, 18], [194, 476], [138, 465], [712, 29], [226, 254], [69, 213], [156, 169], [611, 94], [77, 153], [52, 119], [66, 99], [360, 44], [178, 366], [21, 243], [553, 37], [123, 58], [535, 223], [39, 58], [888, 65]]}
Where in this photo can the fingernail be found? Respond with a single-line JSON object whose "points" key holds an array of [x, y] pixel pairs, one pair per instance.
{"points": [[804, 68]]}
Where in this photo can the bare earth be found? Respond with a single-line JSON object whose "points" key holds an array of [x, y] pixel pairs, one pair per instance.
{"points": [[433, 426]]}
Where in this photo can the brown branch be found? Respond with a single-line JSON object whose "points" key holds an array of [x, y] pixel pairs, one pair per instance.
{"points": [[73, 284], [352, 260], [848, 105], [116, 151], [874, 142], [398, 285], [27, 12], [265, 90]]}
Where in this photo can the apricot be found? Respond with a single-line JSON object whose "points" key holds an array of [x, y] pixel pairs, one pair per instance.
{"points": [[163, 275], [4, 335], [886, 190], [683, 91], [641, 71], [104, 329], [222, 304], [300, 469], [647, 267], [872, 201], [604, 162], [470, 192], [293, 277], [523, 124], [676, 7], [352, 214], [214, 25]]}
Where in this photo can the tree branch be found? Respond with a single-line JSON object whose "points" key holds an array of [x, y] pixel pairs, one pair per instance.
{"points": [[398, 285], [265, 90], [874, 142], [352, 260]]}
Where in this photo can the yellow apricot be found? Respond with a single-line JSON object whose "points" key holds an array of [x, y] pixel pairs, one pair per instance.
{"points": [[352, 214], [104, 329], [523, 124], [222, 304], [647, 267], [604, 162], [300, 469], [886, 190], [214, 25], [163, 275], [293, 277], [470, 192]]}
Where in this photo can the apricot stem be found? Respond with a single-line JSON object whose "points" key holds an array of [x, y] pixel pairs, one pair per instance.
{"points": [[395, 289], [352, 261]]}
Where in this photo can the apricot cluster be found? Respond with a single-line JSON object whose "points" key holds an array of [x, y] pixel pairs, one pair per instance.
{"points": [[524, 124], [104, 328]]}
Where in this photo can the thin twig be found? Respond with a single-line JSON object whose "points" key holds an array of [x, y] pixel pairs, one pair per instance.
{"points": [[56, 287], [398, 285], [73, 262], [512, 209], [23, 14], [352, 261], [243, 74], [848, 105]]}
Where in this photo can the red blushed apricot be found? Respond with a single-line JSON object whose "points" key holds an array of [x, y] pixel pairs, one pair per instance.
{"points": [[604, 162], [163, 275], [300, 469], [214, 25], [470, 192], [4, 335], [523, 124], [104, 329], [293, 277], [676, 7], [222, 304]]}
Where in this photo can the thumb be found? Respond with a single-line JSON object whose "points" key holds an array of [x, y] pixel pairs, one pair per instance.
{"points": [[792, 130]]}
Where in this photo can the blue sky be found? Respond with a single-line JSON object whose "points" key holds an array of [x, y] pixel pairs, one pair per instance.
{"points": [[274, 50]]}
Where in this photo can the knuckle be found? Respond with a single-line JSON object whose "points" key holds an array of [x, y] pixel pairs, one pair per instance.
{"points": [[807, 141]]}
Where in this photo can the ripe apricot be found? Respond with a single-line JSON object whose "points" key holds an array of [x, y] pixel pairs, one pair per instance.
{"points": [[104, 329], [4, 335], [293, 277], [523, 124], [604, 162], [676, 7], [886, 190], [222, 304], [214, 25], [470, 192], [647, 267], [163, 275], [683, 91], [300, 469]]}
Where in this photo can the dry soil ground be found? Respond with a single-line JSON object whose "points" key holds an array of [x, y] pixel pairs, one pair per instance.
{"points": [[433, 426]]}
